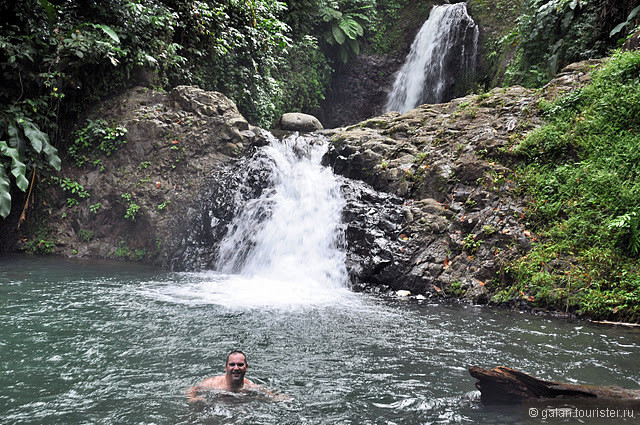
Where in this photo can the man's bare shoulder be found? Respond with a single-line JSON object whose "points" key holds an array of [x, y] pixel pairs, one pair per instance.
{"points": [[214, 382], [249, 384]]}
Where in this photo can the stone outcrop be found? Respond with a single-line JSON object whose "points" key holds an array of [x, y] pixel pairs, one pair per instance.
{"points": [[174, 141], [461, 217], [360, 90], [296, 121], [431, 206]]}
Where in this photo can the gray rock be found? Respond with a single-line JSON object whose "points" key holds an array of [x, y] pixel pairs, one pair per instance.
{"points": [[174, 141], [455, 210], [295, 121]]}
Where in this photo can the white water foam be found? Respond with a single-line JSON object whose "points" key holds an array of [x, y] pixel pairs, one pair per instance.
{"points": [[284, 248]]}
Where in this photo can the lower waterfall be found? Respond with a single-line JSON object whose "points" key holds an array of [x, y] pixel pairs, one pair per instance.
{"points": [[293, 230], [271, 232]]}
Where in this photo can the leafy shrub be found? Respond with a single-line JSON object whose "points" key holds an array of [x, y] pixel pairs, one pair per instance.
{"points": [[96, 137], [581, 171], [553, 33]]}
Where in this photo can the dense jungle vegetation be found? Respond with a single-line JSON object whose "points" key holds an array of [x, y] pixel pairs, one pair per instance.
{"points": [[582, 171], [581, 168], [57, 57]]}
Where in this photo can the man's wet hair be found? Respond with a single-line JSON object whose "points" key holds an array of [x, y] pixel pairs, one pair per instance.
{"points": [[236, 352]]}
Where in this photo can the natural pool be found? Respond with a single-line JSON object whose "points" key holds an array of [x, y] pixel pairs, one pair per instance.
{"points": [[114, 343]]}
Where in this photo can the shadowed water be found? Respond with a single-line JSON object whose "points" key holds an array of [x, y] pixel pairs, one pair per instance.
{"points": [[118, 344]]}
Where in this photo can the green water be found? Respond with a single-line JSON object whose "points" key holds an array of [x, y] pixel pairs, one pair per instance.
{"points": [[113, 343]]}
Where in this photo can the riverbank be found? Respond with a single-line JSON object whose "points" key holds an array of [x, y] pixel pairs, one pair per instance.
{"points": [[500, 206], [444, 207]]}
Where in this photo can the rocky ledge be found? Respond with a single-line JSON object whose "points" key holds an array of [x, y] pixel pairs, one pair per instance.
{"points": [[432, 206], [458, 217], [140, 197]]}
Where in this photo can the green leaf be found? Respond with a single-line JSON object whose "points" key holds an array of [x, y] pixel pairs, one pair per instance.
{"points": [[338, 34], [33, 133], [5, 195], [618, 28], [107, 30], [18, 169], [633, 13], [354, 45], [40, 142], [50, 9], [553, 63], [329, 38], [52, 156], [329, 13], [15, 141], [150, 59], [344, 55], [567, 19], [350, 27]]}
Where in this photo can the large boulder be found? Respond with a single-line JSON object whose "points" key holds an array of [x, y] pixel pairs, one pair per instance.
{"points": [[295, 121], [144, 194]]}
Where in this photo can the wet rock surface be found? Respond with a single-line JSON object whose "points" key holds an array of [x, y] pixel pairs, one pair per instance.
{"points": [[429, 207], [225, 192], [453, 214], [360, 90], [175, 142]]}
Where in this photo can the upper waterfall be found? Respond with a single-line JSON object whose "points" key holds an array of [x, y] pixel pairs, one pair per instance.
{"points": [[443, 53]]}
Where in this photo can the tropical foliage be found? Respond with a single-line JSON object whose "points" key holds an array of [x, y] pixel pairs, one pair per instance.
{"points": [[552, 33], [581, 170], [56, 57]]}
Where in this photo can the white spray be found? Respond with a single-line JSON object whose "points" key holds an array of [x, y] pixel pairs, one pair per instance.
{"points": [[424, 76]]}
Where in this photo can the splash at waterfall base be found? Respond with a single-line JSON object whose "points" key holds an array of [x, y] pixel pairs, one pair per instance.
{"points": [[426, 206]]}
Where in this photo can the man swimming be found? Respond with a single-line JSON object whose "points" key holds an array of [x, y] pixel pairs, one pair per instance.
{"points": [[233, 380]]}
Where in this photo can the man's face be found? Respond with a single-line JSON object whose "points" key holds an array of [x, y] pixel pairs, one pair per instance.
{"points": [[236, 368]]}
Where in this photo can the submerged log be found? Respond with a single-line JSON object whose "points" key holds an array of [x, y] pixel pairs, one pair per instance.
{"points": [[505, 385]]}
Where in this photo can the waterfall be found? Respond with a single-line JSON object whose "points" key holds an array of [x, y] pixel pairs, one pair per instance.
{"points": [[443, 52], [293, 230], [270, 232]]}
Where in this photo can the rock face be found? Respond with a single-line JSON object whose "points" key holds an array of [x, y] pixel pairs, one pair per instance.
{"points": [[428, 207], [360, 90], [295, 121], [455, 215], [175, 141]]}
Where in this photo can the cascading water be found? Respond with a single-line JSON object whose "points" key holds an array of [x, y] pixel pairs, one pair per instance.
{"points": [[301, 238], [442, 54], [286, 245]]}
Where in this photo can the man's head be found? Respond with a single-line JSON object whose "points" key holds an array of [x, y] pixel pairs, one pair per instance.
{"points": [[235, 368]]}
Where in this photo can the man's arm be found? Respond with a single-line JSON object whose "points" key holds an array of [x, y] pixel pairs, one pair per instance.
{"points": [[192, 394]]}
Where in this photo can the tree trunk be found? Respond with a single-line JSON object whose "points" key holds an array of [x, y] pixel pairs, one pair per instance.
{"points": [[503, 384]]}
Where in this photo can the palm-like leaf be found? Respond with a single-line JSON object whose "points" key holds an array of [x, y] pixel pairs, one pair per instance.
{"points": [[18, 169]]}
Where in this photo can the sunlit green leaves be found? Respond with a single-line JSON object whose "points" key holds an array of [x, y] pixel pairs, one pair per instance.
{"points": [[581, 171], [345, 28]]}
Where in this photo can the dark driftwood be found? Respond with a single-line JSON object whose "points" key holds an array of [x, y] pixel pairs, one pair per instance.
{"points": [[505, 385]]}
